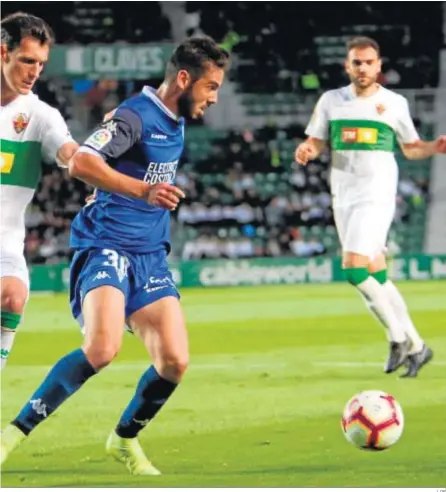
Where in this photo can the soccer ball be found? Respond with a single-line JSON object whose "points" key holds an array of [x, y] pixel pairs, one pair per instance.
{"points": [[373, 420]]}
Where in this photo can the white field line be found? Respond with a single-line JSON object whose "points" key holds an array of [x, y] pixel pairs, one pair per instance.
{"points": [[123, 366], [364, 364]]}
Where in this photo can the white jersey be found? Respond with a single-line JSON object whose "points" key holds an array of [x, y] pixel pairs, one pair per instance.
{"points": [[363, 134], [30, 131]]}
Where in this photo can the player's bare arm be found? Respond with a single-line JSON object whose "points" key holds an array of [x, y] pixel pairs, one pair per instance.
{"points": [[422, 149], [93, 170], [309, 150]]}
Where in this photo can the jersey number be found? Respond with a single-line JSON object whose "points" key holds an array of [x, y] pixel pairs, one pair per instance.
{"points": [[6, 162]]}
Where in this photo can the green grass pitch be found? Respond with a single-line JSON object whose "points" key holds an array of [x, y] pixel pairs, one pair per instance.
{"points": [[271, 370]]}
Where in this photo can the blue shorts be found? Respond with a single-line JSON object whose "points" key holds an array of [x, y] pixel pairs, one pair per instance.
{"points": [[142, 278]]}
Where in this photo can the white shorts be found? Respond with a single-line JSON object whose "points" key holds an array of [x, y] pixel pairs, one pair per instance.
{"points": [[363, 228], [13, 264]]}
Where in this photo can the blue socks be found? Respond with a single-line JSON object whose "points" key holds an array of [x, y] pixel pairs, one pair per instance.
{"points": [[151, 394], [64, 379], [70, 373]]}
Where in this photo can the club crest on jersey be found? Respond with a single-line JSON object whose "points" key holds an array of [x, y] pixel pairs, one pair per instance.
{"points": [[380, 108], [20, 122]]}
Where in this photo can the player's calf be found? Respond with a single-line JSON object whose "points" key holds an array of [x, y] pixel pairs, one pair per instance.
{"points": [[14, 297], [161, 327], [64, 379], [376, 299], [9, 324]]}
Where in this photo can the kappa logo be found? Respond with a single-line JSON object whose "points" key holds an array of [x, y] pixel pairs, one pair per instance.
{"points": [[157, 136], [39, 407], [141, 422], [101, 276]]}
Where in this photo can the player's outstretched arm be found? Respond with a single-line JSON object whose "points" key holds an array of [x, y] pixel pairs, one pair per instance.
{"points": [[93, 170], [422, 149], [309, 150]]}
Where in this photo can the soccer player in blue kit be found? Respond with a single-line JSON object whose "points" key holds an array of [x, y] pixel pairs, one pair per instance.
{"points": [[119, 273]]}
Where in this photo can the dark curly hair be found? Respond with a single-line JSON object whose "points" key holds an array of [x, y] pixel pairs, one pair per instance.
{"points": [[195, 55], [19, 25]]}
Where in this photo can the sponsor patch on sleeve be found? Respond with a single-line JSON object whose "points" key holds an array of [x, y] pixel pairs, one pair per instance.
{"points": [[99, 139]]}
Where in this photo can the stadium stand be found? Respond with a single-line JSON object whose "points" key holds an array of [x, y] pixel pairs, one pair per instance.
{"points": [[245, 196]]}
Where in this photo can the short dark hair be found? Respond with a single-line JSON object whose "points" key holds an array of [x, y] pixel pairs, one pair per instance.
{"points": [[363, 42], [19, 25], [194, 55]]}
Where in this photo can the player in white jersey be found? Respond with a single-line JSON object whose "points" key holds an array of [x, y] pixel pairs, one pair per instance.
{"points": [[30, 131], [363, 124]]}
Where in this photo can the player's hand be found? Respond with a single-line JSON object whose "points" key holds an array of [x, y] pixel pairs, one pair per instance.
{"points": [[304, 153], [164, 195], [440, 144]]}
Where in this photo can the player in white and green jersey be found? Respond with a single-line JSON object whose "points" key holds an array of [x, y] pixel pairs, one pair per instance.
{"points": [[363, 124], [30, 132]]}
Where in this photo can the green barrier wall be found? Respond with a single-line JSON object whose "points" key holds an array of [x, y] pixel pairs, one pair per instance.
{"points": [[259, 271]]}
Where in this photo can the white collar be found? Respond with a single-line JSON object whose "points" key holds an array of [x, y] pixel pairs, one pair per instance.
{"points": [[353, 94], [150, 92]]}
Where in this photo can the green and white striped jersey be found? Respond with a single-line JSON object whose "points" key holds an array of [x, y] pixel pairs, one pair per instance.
{"points": [[31, 131], [363, 134]]}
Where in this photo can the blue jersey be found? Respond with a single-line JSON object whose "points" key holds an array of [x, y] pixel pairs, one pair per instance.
{"points": [[143, 139]]}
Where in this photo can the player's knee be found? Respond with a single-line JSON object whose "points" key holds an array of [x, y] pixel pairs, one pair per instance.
{"points": [[101, 355], [354, 260], [173, 367], [14, 303]]}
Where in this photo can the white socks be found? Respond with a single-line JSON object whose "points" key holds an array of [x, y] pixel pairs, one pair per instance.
{"points": [[379, 303], [7, 342], [400, 308]]}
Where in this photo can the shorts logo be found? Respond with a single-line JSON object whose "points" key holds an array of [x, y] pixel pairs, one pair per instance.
{"points": [[101, 276], [155, 283], [99, 139], [154, 289], [163, 280], [360, 135]]}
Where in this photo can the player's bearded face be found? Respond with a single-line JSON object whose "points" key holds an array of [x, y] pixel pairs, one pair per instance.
{"points": [[363, 66], [201, 93], [22, 66]]}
